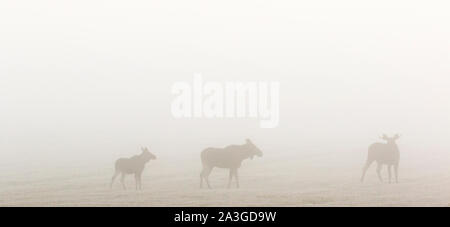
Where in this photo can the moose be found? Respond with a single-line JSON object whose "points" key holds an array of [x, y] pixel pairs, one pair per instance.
{"points": [[384, 154], [134, 165], [229, 157]]}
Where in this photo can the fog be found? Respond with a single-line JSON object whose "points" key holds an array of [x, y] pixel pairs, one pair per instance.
{"points": [[84, 83]]}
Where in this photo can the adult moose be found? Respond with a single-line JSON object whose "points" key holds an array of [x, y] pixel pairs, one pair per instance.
{"points": [[134, 165], [384, 154], [229, 157]]}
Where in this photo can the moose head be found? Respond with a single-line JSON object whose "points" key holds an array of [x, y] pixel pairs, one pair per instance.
{"points": [[147, 154], [254, 150], [390, 140]]}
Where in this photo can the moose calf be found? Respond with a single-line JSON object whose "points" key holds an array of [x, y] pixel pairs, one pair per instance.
{"points": [[134, 165]]}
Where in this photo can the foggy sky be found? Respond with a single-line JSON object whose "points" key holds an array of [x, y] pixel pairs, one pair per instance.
{"points": [[93, 78]]}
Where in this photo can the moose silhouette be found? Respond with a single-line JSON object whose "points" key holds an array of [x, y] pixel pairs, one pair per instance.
{"points": [[384, 154], [134, 165], [229, 157]]}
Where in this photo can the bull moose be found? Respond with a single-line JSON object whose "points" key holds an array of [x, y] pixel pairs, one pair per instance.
{"points": [[229, 157], [384, 154], [134, 165]]}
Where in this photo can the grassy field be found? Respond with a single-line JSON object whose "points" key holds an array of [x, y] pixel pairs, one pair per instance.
{"points": [[314, 180]]}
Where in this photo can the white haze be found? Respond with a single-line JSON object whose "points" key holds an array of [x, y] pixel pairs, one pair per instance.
{"points": [[90, 80]]}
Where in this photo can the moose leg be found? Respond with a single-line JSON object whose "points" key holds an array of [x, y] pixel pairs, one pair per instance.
{"points": [[205, 175], [122, 180], [396, 173], [237, 178], [113, 178], [366, 167], [208, 171], [230, 178], [389, 171], [379, 171], [136, 178], [202, 176], [140, 181], [201, 179]]}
